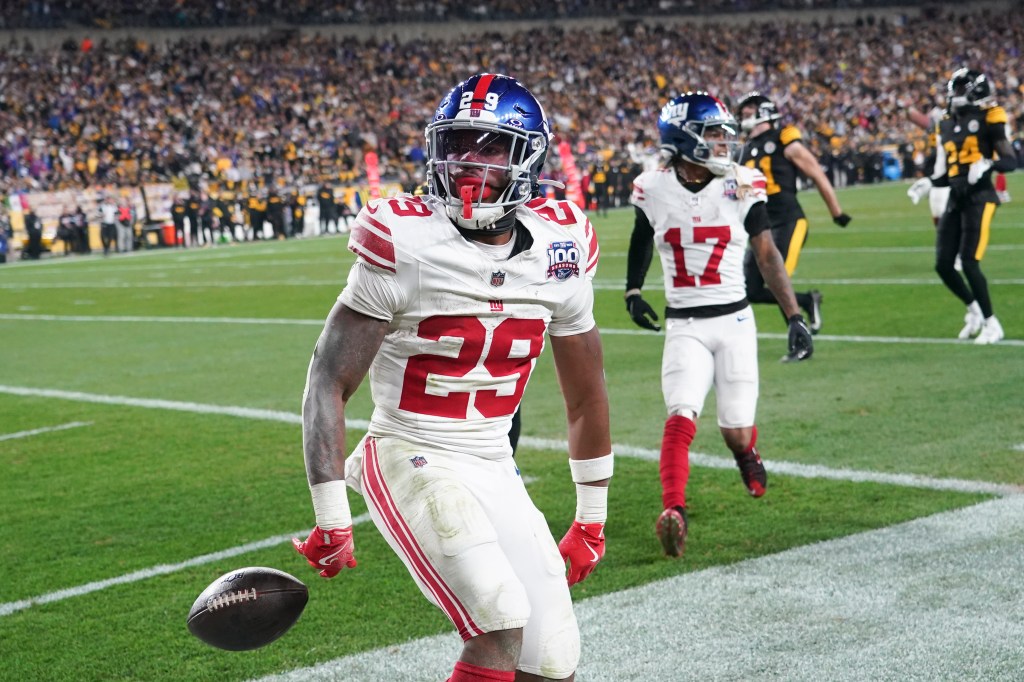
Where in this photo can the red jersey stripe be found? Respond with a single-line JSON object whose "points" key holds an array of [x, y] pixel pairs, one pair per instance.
{"points": [[594, 248], [372, 239]]}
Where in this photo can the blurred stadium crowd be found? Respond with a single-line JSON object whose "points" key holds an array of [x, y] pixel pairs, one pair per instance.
{"points": [[201, 13], [294, 109]]}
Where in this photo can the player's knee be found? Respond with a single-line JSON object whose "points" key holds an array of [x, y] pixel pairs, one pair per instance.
{"points": [[738, 439], [497, 649]]}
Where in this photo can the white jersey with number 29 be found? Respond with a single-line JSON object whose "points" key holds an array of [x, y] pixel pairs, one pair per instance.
{"points": [[700, 236], [465, 329]]}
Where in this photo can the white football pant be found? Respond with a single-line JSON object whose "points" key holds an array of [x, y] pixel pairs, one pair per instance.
{"points": [[717, 351], [475, 544]]}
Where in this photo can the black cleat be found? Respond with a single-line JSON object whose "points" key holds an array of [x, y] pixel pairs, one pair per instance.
{"points": [[752, 472]]}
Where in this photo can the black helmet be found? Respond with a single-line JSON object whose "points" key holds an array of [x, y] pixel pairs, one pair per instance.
{"points": [[969, 88], [766, 110]]}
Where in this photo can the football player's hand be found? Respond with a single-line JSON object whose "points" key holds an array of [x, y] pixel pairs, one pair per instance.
{"points": [[801, 346], [919, 190], [842, 220], [977, 170], [327, 550], [582, 547], [640, 310]]}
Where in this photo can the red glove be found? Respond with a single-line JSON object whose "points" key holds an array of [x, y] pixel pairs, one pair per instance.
{"points": [[328, 550], [583, 547]]}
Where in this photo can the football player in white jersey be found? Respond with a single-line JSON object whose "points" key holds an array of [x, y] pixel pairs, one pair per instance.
{"points": [[446, 308], [700, 211]]}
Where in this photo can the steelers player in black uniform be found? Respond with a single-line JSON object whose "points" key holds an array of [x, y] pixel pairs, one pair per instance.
{"points": [[779, 154], [972, 142]]}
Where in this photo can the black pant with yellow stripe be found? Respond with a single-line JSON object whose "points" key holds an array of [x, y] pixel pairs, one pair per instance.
{"points": [[789, 237], [964, 229]]}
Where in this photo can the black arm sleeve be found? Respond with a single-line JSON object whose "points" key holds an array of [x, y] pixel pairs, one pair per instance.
{"points": [[1007, 160], [757, 219], [641, 247]]}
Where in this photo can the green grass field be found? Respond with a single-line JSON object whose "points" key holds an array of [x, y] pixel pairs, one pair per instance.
{"points": [[131, 489]]}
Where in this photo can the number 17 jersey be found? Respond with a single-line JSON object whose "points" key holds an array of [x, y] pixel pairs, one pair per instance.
{"points": [[465, 329], [700, 236]]}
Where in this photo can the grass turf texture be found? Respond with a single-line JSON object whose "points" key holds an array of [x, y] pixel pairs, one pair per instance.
{"points": [[143, 487]]}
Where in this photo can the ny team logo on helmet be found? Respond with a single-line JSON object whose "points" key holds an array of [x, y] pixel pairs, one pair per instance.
{"points": [[765, 110], [684, 125], [969, 88], [498, 114]]}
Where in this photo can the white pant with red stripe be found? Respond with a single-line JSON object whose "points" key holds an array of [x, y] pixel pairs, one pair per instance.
{"points": [[475, 544]]}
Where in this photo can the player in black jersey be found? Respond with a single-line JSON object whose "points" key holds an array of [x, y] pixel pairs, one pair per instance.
{"points": [[972, 142], [780, 155]]}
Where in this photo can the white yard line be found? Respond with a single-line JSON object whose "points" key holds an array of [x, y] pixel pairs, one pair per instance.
{"points": [[45, 429], [162, 569], [113, 284], [697, 459], [700, 459], [161, 319], [601, 285], [158, 319], [936, 598]]}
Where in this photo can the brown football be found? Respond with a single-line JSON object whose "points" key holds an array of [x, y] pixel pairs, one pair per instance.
{"points": [[247, 608]]}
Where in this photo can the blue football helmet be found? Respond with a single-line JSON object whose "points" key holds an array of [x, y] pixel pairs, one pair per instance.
{"points": [[485, 150], [969, 88], [686, 124]]}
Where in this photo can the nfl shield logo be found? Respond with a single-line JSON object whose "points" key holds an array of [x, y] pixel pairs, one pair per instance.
{"points": [[497, 278], [419, 461]]}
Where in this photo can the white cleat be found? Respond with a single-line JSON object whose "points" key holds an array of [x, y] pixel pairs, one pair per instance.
{"points": [[815, 312], [991, 332], [974, 321]]}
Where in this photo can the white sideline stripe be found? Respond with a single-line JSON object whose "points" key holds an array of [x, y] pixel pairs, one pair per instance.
{"points": [[935, 598], [45, 429], [700, 459], [807, 470], [161, 569], [29, 317]]}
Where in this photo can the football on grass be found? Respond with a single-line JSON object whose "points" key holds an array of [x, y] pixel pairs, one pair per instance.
{"points": [[247, 608]]}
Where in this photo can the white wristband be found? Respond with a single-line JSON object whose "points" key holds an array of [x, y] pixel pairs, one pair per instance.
{"points": [[330, 503], [588, 470], [591, 503]]}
